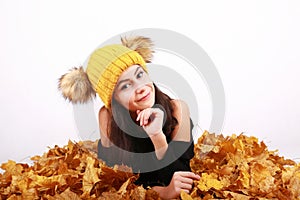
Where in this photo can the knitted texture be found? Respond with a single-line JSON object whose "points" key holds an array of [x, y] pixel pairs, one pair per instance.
{"points": [[105, 66]]}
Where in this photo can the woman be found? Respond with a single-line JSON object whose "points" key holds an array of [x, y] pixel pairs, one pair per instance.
{"points": [[140, 126]]}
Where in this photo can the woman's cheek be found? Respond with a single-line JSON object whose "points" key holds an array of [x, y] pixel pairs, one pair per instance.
{"points": [[128, 100]]}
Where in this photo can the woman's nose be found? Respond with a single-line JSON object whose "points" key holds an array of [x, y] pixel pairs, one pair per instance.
{"points": [[140, 89]]}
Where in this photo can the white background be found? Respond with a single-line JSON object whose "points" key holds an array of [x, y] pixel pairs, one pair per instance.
{"points": [[255, 46]]}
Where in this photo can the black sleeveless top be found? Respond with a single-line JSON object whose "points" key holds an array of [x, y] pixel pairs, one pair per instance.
{"points": [[151, 171]]}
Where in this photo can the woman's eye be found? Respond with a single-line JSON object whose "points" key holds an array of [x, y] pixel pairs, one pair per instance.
{"points": [[125, 86], [140, 74]]}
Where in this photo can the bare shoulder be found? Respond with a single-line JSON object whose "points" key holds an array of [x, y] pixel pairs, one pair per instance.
{"points": [[103, 112], [104, 122], [182, 114], [104, 116], [180, 106]]}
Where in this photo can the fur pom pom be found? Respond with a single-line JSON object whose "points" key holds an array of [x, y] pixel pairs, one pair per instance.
{"points": [[140, 44], [75, 86]]}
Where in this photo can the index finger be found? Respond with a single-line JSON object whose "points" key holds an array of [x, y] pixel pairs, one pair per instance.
{"points": [[190, 175]]}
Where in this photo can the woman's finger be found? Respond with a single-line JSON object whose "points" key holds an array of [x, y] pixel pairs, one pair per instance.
{"points": [[138, 112], [190, 175], [142, 118], [147, 114], [185, 186], [186, 180]]}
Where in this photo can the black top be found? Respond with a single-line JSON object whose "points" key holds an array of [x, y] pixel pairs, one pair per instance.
{"points": [[152, 171]]}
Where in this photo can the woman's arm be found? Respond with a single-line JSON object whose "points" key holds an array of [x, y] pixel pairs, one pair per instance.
{"points": [[160, 144], [154, 128], [151, 119], [180, 133], [104, 118], [182, 114]]}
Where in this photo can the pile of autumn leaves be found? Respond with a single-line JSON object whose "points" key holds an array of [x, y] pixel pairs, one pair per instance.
{"points": [[236, 167], [241, 167], [71, 172]]}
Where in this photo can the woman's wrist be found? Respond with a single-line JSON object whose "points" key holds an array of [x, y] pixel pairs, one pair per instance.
{"points": [[159, 140], [162, 191], [160, 144]]}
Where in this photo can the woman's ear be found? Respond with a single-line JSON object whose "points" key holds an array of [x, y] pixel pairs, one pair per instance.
{"points": [[140, 44], [75, 86]]}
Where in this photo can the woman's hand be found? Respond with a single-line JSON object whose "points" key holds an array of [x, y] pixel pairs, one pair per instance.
{"points": [[151, 119], [180, 181]]}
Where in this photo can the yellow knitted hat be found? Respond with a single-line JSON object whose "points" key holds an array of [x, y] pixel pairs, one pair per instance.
{"points": [[107, 64], [104, 67]]}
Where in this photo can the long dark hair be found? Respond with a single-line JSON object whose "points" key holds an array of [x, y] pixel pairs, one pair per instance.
{"points": [[124, 132]]}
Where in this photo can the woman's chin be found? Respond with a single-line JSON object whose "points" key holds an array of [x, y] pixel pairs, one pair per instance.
{"points": [[142, 106], [150, 103]]}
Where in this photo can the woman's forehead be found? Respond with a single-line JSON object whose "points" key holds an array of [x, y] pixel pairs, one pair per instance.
{"points": [[130, 71]]}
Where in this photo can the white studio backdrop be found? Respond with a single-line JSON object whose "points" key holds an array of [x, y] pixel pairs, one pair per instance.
{"points": [[255, 46]]}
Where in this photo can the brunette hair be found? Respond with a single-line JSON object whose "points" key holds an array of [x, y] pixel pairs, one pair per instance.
{"points": [[124, 132]]}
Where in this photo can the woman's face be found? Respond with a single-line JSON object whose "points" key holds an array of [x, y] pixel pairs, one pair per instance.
{"points": [[134, 89]]}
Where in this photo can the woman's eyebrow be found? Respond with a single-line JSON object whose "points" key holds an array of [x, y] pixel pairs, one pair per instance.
{"points": [[137, 69], [127, 78]]}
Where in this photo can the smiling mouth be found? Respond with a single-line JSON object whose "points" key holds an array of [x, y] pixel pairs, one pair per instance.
{"points": [[144, 97]]}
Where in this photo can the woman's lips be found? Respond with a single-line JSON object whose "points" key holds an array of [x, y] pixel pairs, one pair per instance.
{"points": [[144, 97]]}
